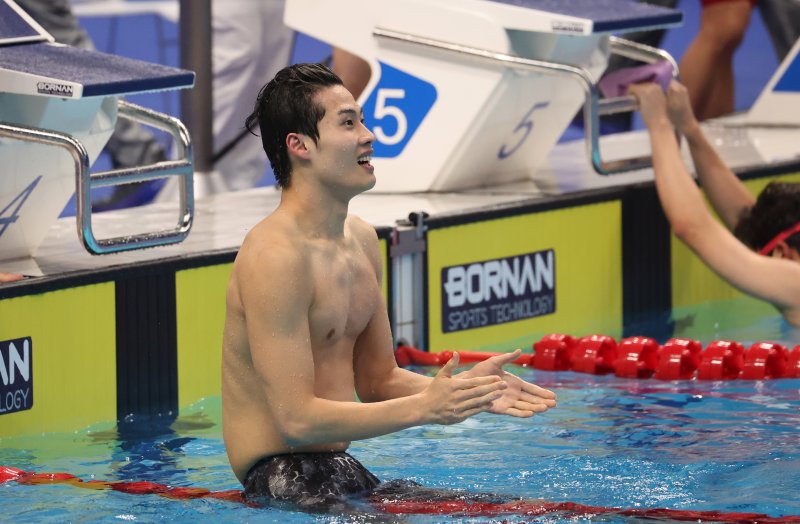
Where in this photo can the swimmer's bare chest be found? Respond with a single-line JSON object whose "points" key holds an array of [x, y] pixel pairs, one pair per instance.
{"points": [[346, 295]]}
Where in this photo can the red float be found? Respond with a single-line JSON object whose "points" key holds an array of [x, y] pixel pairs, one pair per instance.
{"points": [[722, 360], [595, 354], [469, 357], [8, 473], [678, 359], [637, 357], [457, 506], [554, 352], [793, 363], [764, 360]]}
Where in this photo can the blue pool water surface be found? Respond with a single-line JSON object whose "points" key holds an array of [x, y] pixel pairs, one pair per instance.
{"points": [[728, 446]]}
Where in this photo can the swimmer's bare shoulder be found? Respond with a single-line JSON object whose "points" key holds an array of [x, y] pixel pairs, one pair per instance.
{"points": [[271, 257], [367, 238]]}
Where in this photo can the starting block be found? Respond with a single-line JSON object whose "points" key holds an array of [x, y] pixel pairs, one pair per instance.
{"points": [[477, 92], [58, 108], [779, 102]]}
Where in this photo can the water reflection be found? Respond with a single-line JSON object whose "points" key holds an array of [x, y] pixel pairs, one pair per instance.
{"points": [[151, 448]]}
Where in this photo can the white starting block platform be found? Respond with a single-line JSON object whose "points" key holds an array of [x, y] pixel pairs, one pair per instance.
{"points": [[58, 108], [779, 102], [475, 93]]}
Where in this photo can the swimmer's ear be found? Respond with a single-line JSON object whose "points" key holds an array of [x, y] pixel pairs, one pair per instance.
{"points": [[296, 145], [784, 250]]}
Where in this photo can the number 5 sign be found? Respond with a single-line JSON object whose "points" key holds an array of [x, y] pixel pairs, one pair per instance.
{"points": [[396, 108]]}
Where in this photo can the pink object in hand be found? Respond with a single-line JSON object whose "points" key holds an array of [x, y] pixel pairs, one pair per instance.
{"points": [[616, 83]]}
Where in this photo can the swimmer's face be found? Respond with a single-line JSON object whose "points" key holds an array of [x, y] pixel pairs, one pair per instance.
{"points": [[343, 151]]}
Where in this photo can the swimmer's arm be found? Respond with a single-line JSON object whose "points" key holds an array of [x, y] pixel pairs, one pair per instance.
{"points": [[377, 375], [276, 298], [774, 280], [728, 196]]}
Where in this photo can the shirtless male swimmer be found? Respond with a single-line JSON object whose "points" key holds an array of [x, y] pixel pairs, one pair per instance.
{"points": [[306, 328]]}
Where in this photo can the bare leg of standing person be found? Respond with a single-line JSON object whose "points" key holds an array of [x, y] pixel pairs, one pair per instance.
{"points": [[707, 65], [353, 71]]}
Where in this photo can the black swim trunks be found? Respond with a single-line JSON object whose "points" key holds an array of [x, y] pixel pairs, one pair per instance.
{"points": [[308, 481]]}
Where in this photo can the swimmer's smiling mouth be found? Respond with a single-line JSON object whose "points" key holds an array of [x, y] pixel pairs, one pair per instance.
{"points": [[365, 159]]}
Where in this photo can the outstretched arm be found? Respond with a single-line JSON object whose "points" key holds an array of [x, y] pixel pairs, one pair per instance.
{"points": [[728, 196], [772, 279]]}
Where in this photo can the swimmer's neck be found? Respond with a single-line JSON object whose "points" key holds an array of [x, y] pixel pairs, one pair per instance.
{"points": [[317, 214]]}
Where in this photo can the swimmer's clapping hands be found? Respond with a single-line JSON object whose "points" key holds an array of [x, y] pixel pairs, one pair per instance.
{"points": [[452, 399], [519, 398], [487, 387]]}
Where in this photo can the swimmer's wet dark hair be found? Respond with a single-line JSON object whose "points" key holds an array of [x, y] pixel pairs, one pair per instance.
{"points": [[776, 209], [287, 105]]}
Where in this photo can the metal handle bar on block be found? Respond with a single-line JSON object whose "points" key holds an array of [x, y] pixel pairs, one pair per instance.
{"points": [[85, 181], [640, 53], [620, 104], [593, 107], [182, 167]]}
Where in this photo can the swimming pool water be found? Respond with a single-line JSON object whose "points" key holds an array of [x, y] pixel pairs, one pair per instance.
{"points": [[727, 446]]}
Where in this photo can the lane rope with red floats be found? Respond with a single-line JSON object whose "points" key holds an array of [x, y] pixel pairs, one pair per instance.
{"points": [[459, 507], [638, 357]]}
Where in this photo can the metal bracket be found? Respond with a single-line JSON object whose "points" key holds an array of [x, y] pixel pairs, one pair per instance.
{"points": [[407, 252], [593, 107], [410, 240], [85, 181]]}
